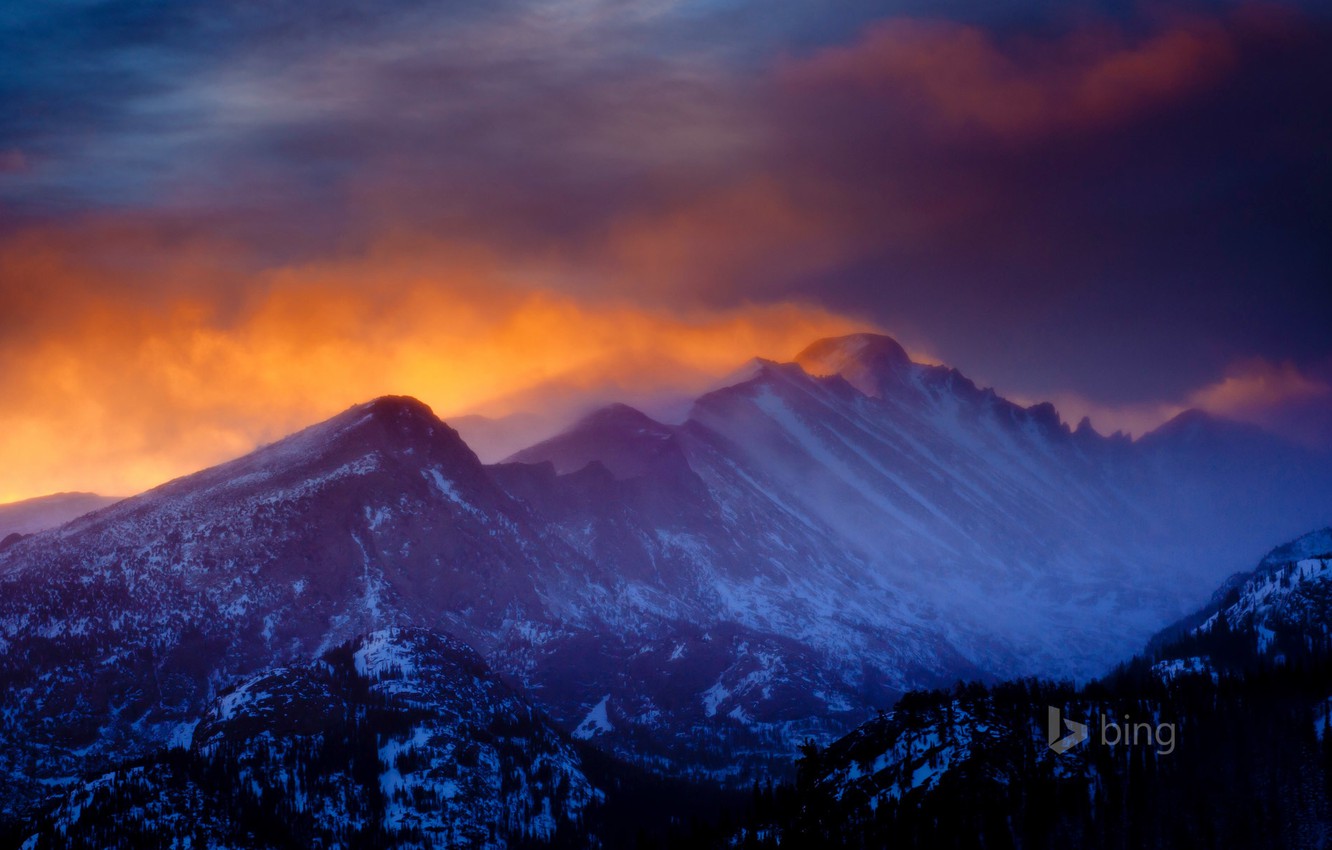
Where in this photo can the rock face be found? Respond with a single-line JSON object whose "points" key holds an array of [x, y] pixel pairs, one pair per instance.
{"points": [[698, 598]]}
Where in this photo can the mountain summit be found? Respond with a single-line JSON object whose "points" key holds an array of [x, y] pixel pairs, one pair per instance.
{"points": [[814, 540], [624, 440], [868, 362]]}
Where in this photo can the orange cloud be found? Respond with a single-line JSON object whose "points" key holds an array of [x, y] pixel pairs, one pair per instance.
{"points": [[744, 238], [119, 374], [1275, 396], [1257, 384], [961, 78]]}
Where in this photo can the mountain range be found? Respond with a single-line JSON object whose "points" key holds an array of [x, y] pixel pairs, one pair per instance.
{"points": [[1215, 736], [812, 541]]}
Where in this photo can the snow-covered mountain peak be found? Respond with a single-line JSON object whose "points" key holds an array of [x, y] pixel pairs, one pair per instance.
{"points": [[793, 556], [1281, 607], [867, 361], [393, 435], [1315, 544]]}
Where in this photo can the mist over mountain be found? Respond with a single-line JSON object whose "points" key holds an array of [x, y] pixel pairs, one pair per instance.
{"points": [[812, 541], [1215, 735], [43, 512]]}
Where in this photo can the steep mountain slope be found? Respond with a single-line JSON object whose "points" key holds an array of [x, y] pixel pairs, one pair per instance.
{"points": [[1280, 612], [400, 738], [984, 527], [119, 627], [989, 517], [736, 618], [1216, 737], [33, 515], [699, 598]]}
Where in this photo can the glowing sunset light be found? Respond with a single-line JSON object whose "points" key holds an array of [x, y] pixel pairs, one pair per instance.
{"points": [[268, 215], [130, 394]]}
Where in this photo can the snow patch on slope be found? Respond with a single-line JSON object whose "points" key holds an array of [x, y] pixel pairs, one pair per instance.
{"points": [[596, 722]]}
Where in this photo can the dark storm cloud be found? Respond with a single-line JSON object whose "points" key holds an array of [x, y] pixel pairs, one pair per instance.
{"points": [[530, 121], [110, 104], [1058, 198], [1106, 210]]}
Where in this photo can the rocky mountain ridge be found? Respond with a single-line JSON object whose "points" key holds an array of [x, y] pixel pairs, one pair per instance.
{"points": [[697, 598]]}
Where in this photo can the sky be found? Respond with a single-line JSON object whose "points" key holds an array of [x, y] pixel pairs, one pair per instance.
{"points": [[220, 221]]}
